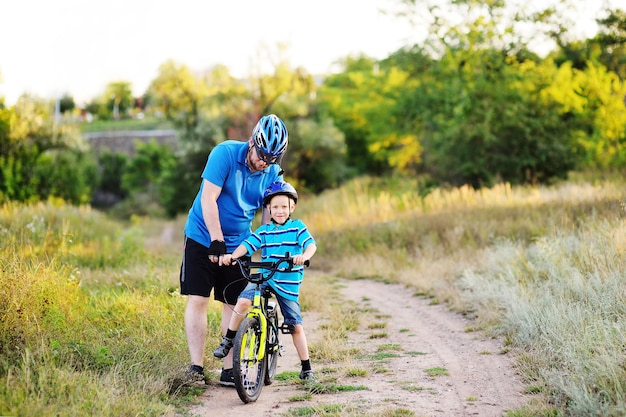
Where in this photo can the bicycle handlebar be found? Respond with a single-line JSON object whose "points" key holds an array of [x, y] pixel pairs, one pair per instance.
{"points": [[273, 267]]}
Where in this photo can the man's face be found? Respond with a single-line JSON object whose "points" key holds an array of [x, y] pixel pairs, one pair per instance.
{"points": [[255, 163], [267, 158]]}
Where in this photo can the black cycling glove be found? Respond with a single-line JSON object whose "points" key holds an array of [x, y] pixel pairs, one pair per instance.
{"points": [[217, 248]]}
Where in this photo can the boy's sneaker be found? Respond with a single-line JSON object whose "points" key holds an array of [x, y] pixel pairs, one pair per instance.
{"points": [[307, 375], [227, 378], [195, 375], [222, 350]]}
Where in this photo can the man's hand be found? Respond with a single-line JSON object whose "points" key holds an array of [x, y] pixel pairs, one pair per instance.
{"points": [[217, 250]]}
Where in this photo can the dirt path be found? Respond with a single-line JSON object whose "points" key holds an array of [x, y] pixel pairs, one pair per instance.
{"points": [[480, 382]]}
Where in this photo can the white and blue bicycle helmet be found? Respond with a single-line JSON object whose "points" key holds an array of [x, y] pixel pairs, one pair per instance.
{"points": [[270, 138], [279, 188]]}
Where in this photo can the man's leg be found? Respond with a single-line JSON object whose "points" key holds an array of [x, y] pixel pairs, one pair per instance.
{"points": [[196, 327]]}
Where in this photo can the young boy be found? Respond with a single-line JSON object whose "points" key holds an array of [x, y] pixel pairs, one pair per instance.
{"points": [[280, 236]]}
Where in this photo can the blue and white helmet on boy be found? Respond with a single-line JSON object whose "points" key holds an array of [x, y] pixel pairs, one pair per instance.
{"points": [[270, 138], [279, 188]]}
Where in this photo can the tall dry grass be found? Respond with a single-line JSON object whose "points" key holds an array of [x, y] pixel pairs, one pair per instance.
{"points": [[91, 318], [542, 266]]}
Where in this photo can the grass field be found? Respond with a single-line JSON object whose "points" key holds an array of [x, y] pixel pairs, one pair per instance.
{"points": [[91, 318]]}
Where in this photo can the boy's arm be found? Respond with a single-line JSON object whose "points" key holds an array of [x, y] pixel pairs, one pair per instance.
{"points": [[306, 255], [237, 253]]}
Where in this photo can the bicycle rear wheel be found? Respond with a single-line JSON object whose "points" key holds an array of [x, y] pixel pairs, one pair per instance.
{"points": [[248, 370], [273, 349]]}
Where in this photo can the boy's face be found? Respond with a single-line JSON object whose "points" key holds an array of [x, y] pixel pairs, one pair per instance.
{"points": [[280, 208]]}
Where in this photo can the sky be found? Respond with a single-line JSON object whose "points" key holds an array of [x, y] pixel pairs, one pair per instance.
{"points": [[54, 47]]}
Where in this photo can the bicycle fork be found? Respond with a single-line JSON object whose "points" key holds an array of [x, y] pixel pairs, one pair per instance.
{"points": [[257, 313]]}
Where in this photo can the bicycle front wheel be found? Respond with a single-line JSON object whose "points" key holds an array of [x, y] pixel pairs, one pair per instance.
{"points": [[273, 349], [248, 369]]}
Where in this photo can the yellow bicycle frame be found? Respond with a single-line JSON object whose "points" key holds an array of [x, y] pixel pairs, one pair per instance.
{"points": [[257, 313]]}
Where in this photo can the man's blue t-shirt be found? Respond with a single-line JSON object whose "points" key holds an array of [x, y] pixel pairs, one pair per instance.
{"points": [[240, 198]]}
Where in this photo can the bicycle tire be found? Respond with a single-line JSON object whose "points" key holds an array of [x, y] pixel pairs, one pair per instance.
{"points": [[273, 349], [248, 370]]}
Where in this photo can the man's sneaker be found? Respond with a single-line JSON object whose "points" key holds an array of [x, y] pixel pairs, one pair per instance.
{"points": [[195, 375], [222, 350], [227, 378], [307, 375]]}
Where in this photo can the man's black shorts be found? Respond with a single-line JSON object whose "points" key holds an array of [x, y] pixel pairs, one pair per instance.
{"points": [[199, 276]]}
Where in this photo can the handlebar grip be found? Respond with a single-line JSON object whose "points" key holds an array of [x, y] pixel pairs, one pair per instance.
{"points": [[307, 263]]}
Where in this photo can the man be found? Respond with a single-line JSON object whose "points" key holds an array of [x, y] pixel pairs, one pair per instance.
{"points": [[233, 182]]}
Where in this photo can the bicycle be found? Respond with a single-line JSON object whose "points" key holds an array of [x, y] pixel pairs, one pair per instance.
{"points": [[257, 345]]}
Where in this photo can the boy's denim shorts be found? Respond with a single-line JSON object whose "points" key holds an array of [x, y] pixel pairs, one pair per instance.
{"points": [[290, 309]]}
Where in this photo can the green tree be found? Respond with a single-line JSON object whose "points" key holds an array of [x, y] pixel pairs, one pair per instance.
{"points": [[176, 93], [315, 159], [353, 99], [118, 99], [612, 41], [592, 101], [479, 116], [66, 173], [143, 171], [66, 104], [179, 182], [111, 168], [31, 165]]}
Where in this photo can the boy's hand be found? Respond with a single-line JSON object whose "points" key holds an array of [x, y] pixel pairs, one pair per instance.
{"points": [[299, 260], [227, 259]]}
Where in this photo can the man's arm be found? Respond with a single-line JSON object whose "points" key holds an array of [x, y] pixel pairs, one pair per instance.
{"points": [[265, 215], [210, 213]]}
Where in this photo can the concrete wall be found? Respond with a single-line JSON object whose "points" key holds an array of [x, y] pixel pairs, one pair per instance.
{"points": [[124, 141]]}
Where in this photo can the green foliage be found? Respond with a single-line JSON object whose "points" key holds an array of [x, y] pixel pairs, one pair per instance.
{"points": [[69, 174], [40, 158], [112, 167], [118, 97], [285, 91], [179, 182], [66, 104], [114, 104], [88, 321], [175, 92], [495, 124], [144, 169], [612, 40], [352, 99], [316, 155]]}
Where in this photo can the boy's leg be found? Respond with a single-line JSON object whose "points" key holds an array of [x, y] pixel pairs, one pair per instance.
{"points": [[291, 313], [227, 318], [299, 341], [236, 314], [227, 289]]}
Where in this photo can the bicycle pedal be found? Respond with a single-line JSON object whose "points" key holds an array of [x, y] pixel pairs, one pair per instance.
{"points": [[287, 328]]}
